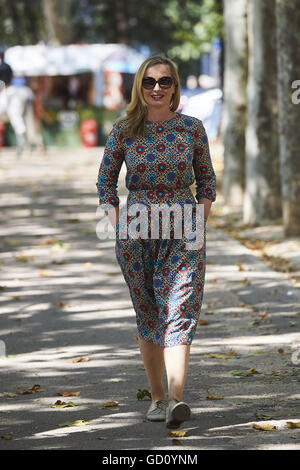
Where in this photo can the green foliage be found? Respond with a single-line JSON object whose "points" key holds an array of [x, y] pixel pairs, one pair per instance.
{"points": [[141, 394], [182, 29], [195, 25], [21, 22]]}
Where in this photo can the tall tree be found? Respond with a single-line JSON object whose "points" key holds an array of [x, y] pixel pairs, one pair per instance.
{"points": [[122, 21], [58, 21], [288, 43], [262, 179], [234, 109]]}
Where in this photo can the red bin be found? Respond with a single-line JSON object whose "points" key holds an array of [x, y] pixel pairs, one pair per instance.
{"points": [[89, 133]]}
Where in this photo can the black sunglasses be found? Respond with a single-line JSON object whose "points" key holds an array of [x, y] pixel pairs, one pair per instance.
{"points": [[164, 82]]}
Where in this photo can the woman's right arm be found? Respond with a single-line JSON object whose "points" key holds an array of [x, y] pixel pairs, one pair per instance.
{"points": [[108, 174]]}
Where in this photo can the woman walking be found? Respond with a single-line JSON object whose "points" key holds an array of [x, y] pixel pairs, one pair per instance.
{"points": [[165, 153]]}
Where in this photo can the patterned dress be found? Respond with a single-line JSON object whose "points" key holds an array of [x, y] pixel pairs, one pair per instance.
{"points": [[165, 279]]}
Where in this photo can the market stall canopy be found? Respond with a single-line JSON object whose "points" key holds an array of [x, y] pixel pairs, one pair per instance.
{"points": [[38, 60]]}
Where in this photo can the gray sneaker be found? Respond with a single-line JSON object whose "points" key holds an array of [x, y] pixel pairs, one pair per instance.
{"points": [[177, 412], [157, 411]]}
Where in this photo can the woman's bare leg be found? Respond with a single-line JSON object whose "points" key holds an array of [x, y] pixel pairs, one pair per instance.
{"points": [[176, 361], [153, 358]]}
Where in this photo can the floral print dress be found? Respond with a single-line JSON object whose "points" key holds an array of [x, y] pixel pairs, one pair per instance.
{"points": [[164, 277]]}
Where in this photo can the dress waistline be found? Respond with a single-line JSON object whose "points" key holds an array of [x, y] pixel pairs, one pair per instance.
{"points": [[161, 190]]}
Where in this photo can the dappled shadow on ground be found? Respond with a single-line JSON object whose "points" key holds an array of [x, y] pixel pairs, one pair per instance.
{"points": [[64, 299]]}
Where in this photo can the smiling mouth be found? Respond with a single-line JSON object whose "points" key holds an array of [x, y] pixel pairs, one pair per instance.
{"points": [[157, 97]]}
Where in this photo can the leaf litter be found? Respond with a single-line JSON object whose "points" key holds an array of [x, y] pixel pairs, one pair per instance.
{"points": [[62, 404], [78, 422]]}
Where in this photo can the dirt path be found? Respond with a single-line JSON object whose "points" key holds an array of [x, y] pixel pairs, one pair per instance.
{"points": [[64, 299]]}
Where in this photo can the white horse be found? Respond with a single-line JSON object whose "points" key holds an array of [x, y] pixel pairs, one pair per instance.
{"points": [[16, 107]]}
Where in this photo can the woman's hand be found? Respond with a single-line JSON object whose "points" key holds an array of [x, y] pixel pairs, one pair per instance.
{"points": [[113, 215], [207, 205]]}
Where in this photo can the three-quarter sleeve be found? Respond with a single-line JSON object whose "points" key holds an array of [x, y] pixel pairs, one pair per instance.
{"points": [[110, 167], [203, 169]]}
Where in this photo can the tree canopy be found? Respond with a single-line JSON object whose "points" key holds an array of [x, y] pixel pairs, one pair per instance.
{"points": [[182, 29]]}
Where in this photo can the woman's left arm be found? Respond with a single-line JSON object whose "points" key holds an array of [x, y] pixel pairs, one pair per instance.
{"points": [[203, 169]]}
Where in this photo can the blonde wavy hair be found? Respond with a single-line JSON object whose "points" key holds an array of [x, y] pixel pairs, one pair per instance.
{"points": [[136, 111]]}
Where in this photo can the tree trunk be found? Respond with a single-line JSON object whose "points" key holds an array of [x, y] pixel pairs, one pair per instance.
{"points": [[58, 21], [262, 201], [288, 43], [121, 22], [51, 22], [234, 109]]}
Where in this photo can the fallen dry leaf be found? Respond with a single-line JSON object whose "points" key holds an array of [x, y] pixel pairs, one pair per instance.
{"points": [[280, 373], [244, 373], [231, 352], [240, 266], [78, 422], [46, 272], [24, 258], [280, 351], [34, 389], [292, 425], [61, 304], [48, 241], [221, 355], [176, 442], [68, 394], [263, 313], [254, 371], [7, 437], [82, 359], [109, 404], [202, 322], [10, 394], [178, 433], [263, 427], [209, 396], [62, 404]]}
